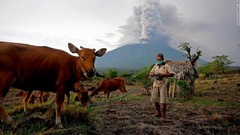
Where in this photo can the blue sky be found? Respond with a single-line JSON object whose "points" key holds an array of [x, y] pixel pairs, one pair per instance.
{"points": [[208, 25]]}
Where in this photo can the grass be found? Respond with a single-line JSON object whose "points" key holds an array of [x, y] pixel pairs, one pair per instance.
{"points": [[137, 97], [206, 102], [76, 120]]}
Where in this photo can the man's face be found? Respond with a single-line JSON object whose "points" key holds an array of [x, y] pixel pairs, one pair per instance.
{"points": [[159, 58]]}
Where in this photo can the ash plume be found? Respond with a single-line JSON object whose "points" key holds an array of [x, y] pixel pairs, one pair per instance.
{"points": [[148, 18]]}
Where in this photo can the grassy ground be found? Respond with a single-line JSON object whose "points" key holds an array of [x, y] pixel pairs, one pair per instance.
{"points": [[214, 109]]}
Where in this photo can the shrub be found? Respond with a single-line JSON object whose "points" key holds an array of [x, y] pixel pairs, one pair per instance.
{"points": [[184, 88], [111, 73]]}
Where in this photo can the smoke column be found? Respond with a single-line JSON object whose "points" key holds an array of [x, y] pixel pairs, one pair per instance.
{"points": [[149, 19]]}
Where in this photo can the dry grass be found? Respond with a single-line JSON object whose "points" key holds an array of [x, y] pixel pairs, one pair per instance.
{"points": [[214, 109]]}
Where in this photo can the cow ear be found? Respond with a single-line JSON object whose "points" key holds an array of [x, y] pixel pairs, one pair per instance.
{"points": [[72, 48], [100, 52]]}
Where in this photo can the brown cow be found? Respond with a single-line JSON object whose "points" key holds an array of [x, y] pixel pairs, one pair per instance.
{"points": [[109, 85], [40, 96], [29, 68]]}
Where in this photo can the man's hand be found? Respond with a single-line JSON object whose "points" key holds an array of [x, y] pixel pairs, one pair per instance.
{"points": [[152, 74]]}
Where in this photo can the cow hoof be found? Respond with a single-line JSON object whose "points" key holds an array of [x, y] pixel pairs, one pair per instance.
{"points": [[26, 113], [59, 126], [14, 126]]}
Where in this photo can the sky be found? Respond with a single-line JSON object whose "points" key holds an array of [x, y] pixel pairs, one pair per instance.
{"points": [[210, 26]]}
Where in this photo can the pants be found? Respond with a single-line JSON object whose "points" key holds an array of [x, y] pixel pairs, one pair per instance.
{"points": [[159, 94]]}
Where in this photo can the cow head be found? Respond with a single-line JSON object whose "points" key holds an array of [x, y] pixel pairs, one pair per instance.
{"points": [[94, 91], [87, 58], [82, 97], [81, 94]]}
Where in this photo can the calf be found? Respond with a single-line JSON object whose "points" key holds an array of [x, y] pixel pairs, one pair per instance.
{"points": [[109, 85], [81, 95], [29, 68]]}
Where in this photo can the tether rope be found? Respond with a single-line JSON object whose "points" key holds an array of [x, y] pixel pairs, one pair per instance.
{"points": [[112, 100]]}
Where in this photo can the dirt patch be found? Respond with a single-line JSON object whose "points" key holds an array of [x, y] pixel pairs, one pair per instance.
{"points": [[137, 117], [215, 109]]}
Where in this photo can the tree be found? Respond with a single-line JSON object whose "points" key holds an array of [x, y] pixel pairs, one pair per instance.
{"points": [[221, 63], [111, 73], [143, 76], [207, 69], [192, 58], [186, 47]]}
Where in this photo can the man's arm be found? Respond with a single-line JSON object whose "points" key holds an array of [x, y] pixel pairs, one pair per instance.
{"points": [[169, 73], [152, 72]]}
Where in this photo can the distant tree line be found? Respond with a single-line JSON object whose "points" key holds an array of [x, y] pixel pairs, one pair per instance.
{"points": [[219, 64]]}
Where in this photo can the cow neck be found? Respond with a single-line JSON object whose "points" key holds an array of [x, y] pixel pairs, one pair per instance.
{"points": [[77, 72]]}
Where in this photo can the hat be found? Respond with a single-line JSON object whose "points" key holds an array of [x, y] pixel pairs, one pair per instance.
{"points": [[160, 55]]}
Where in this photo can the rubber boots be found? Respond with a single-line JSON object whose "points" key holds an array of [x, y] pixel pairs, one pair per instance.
{"points": [[164, 107], [158, 114]]}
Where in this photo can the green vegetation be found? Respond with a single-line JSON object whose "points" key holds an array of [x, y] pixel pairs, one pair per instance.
{"points": [[134, 97], [184, 87], [143, 78], [200, 101], [220, 64], [186, 47], [111, 73]]}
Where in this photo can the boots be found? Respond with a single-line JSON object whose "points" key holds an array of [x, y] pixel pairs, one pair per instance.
{"points": [[158, 114], [164, 107]]}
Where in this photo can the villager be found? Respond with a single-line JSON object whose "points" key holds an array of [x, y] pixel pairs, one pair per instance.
{"points": [[160, 72]]}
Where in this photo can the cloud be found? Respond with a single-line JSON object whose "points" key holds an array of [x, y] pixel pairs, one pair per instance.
{"points": [[208, 25]]}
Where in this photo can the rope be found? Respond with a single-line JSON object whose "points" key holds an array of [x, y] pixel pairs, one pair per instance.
{"points": [[112, 100]]}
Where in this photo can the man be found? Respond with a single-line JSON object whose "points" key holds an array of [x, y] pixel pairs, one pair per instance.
{"points": [[160, 72]]}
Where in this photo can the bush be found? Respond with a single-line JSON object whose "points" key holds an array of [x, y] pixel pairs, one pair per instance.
{"points": [[143, 77], [184, 88], [170, 80], [111, 73]]}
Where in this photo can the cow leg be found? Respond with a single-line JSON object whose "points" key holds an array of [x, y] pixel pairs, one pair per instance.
{"points": [[59, 102], [108, 94], [123, 89], [46, 96], [5, 117], [19, 94], [104, 96], [122, 92], [68, 97], [40, 97], [5, 84], [25, 99]]}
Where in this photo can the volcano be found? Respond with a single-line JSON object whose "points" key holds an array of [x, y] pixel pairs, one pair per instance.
{"points": [[137, 56]]}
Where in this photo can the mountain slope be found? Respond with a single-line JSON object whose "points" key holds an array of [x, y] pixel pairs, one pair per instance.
{"points": [[136, 56]]}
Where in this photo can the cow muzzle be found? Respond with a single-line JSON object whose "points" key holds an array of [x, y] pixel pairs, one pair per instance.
{"points": [[89, 73]]}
